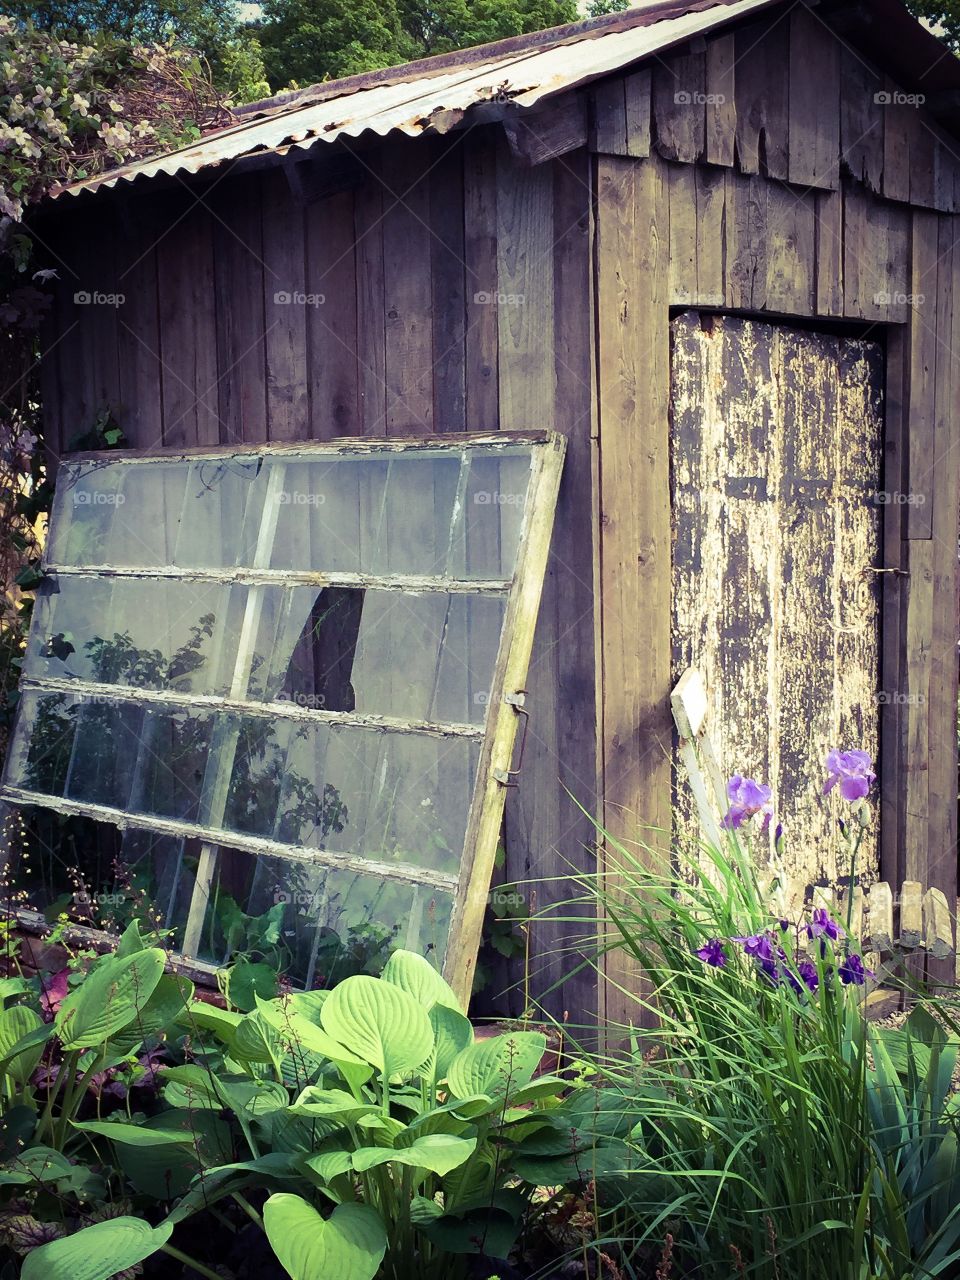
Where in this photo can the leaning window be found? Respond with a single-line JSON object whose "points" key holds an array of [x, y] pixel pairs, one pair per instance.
{"points": [[274, 693]]}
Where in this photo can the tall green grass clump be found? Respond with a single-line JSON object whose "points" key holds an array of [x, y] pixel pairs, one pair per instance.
{"points": [[771, 1132]]}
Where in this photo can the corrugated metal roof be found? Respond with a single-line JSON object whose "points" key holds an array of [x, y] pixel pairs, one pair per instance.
{"points": [[433, 93]]}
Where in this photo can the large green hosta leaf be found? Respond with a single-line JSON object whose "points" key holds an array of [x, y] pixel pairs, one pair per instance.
{"points": [[349, 1245], [109, 998], [434, 1153], [383, 1024], [22, 1055], [164, 1008], [417, 976], [452, 1033], [35, 1165], [297, 1031], [96, 1252], [499, 1066]]}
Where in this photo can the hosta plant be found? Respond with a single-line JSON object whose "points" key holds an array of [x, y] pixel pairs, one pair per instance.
{"points": [[372, 1134]]}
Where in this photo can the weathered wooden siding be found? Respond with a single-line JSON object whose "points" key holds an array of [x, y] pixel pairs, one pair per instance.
{"points": [[760, 172], [776, 440], [766, 174], [448, 291]]}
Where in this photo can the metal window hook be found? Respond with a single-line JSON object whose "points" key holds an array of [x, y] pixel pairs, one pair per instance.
{"points": [[518, 702]]}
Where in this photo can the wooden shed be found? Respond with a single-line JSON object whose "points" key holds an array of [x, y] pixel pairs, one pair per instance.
{"points": [[714, 246]]}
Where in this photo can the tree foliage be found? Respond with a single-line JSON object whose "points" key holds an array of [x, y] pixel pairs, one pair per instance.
{"points": [[306, 41], [943, 16], [213, 29]]}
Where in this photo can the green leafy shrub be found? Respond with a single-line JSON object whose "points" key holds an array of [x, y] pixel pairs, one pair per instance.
{"points": [[364, 1131]]}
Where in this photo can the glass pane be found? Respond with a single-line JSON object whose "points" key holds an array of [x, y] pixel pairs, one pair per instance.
{"points": [[393, 797], [96, 874], [40, 753], [106, 750], [159, 634], [489, 534], [88, 497], [336, 650], [173, 756], [332, 923], [222, 514], [371, 514]]}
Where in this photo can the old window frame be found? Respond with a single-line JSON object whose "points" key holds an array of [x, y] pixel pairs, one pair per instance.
{"points": [[496, 735]]}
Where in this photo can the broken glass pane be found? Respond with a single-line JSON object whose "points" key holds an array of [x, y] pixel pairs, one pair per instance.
{"points": [[336, 650]]}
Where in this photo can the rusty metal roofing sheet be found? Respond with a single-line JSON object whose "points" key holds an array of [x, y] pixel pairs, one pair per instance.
{"points": [[512, 72]]}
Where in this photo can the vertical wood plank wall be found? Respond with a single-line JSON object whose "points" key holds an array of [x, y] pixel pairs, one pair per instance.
{"points": [[759, 173], [448, 292], [809, 199]]}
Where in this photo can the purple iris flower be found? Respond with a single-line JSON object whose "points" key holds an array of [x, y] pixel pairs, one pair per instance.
{"points": [[852, 770], [852, 971], [806, 977], [822, 925], [747, 797], [712, 953], [757, 945]]}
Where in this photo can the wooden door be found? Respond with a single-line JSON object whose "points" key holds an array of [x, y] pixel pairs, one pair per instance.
{"points": [[776, 438]]}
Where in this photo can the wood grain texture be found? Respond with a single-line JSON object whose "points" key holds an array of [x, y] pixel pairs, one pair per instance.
{"points": [[139, 408], [914, 779], [408, 299], [761, 95], [829, 254], [608, 118], [188, 333], [897, 120], [679, 107], [481, 280], [748, 244], [921, 324], [331, 364], [448, 282], [543, 133], [876, 257], [945, 621], [285, 310], [894, 480], [776, 443], [711, 235], [721, 115], [814, 132], [638, 91], [684, 232], [525, 315], [861, 119], [241, 326], [548, 836], [791, 260], [633, 375], [371, 329]]}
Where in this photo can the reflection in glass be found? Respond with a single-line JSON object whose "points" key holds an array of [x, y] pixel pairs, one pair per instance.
{"points": [[160, 634], [328, 923]]}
